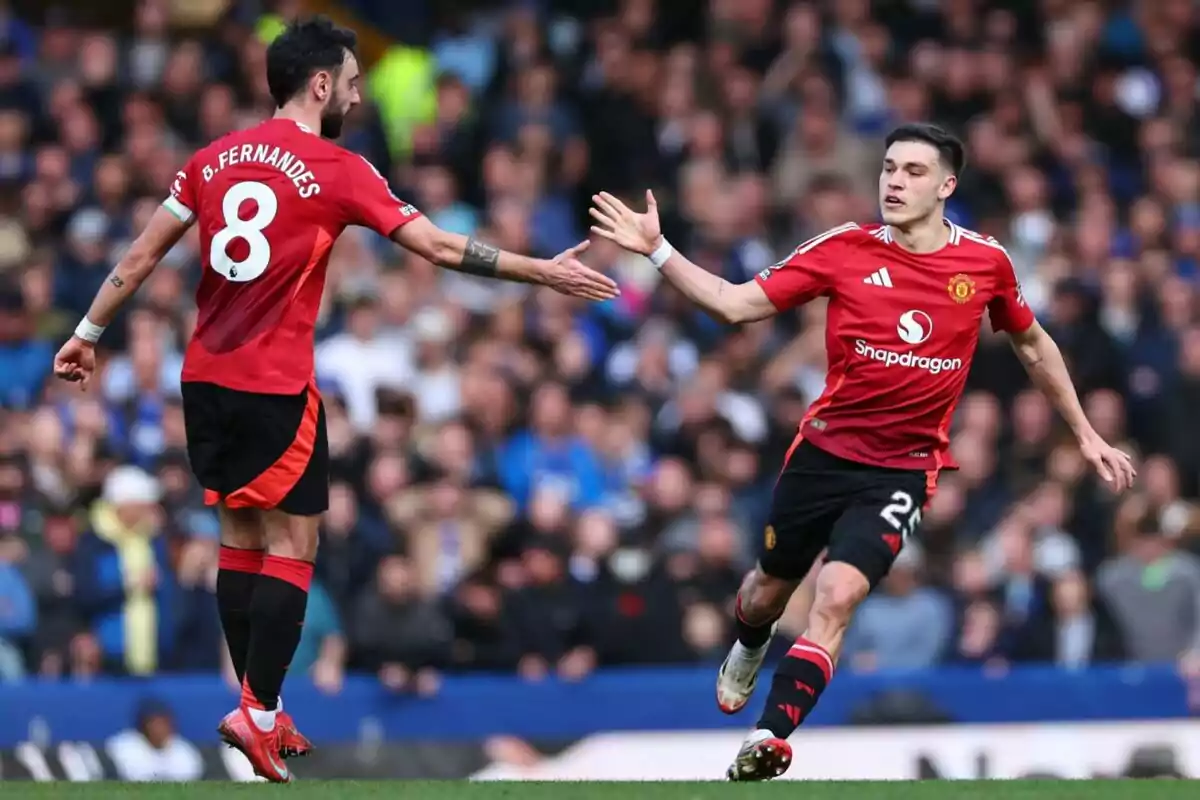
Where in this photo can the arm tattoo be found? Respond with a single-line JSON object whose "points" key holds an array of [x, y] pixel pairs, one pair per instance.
{"points": [[115, 280], [480, 259], [1029, 355]]}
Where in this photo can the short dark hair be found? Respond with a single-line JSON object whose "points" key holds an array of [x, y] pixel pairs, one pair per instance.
{"points": [[950, 148], [305, 46]]}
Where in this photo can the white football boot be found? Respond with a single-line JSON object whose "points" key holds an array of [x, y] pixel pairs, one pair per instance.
{"points": [[739, 674]]}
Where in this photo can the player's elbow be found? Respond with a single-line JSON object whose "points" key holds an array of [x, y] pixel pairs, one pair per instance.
{"points": [[445, 248], [1032, 343], [137, 264], [736, 304], [430, 242], [730, 314]]}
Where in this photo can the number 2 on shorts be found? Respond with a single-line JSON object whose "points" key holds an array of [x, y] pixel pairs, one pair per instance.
{"points": [[902, 514]]}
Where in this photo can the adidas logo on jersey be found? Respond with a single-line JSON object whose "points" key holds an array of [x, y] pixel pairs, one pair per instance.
{"points": [[879, 277]]}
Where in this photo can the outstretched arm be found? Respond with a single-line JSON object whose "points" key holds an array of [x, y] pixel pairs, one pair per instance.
{"points": [[369, 201], [732, 303], [76, 359], [1044, 363], [161, 234], [564, 273]]}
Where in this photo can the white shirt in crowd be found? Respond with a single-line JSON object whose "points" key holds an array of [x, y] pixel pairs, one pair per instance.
{"points": [[137, 760], [361, 367]]}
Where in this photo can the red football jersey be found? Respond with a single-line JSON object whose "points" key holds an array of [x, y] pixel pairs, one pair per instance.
{"points": [[900, 335], [270, 202]]}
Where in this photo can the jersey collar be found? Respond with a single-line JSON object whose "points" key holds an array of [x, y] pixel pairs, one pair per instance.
{"points": [[955, 233]]}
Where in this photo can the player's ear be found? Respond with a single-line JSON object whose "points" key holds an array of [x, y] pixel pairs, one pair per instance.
{"points": [[948, 186], [322, 85]]}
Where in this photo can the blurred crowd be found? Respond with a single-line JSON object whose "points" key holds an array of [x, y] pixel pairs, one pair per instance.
{"points": [[523, 482]]}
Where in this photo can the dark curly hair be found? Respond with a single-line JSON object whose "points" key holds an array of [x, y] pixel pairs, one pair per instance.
{"points": [[305, 47]]}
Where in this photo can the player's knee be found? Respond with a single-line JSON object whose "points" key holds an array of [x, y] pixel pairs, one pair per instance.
{"points": [[762, 597], [241, 528], [840, 588], [291, 536]]}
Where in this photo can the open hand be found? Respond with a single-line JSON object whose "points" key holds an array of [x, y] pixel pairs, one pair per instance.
{"points": [[76, 361], [570, 276], [328, 676], [395, 677], [637, 233], [577, 664], [1114, 466]]}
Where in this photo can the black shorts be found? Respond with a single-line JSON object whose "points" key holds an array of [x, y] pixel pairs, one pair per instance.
{"points": [[252, 450], [862, 513]]}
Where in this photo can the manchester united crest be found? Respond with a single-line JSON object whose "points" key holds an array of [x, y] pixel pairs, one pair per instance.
{"points": [[961, 288], [769, 538]]}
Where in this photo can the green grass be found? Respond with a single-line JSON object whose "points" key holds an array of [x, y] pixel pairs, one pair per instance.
{"points": [[429, 790]]}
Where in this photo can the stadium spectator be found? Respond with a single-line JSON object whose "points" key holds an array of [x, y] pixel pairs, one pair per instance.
{"points": [[550, 611], [198, 626], [485, 632], [123, 579], [153, 750], [906, 626], [1080, 633], [1154, 592], [322, 652], [18, 610], [402, 637], [48, 570]]}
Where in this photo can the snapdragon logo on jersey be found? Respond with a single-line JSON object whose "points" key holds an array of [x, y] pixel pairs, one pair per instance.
{"points": [[914, 328]]}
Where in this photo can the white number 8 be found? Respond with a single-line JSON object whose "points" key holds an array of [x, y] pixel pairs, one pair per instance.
{"points": [[901, 514], [248, 230]]}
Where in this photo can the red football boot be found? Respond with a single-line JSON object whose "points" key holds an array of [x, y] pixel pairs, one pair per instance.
{"points": [[292, 743], [261, 748]]}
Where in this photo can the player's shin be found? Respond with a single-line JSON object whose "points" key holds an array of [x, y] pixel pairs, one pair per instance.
{"points": [[277, 618], [802, 676], [237, 575], [754, 631], [760, 602], [797, 685]]}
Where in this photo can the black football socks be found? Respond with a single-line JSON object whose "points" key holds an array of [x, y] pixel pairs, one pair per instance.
{"points": [[237, 575], [276, 619], [752, 637]]}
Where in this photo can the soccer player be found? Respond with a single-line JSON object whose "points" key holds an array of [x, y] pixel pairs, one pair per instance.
{"points": [[270, 201], [906, 299]]}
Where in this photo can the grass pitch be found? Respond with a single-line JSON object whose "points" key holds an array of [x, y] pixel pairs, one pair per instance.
{"points": [[455, 790]]}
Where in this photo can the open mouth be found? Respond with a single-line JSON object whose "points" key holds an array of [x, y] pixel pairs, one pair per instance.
{"points": [[892, 201]]}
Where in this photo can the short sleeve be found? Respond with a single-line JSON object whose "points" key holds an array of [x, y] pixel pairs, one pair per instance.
{"points": [[1007, 309], [182, 201], [369, 200], [807, 273]]}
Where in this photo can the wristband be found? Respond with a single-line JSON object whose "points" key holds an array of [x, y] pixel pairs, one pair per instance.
{"points": [[661, 254], [88, 330]]}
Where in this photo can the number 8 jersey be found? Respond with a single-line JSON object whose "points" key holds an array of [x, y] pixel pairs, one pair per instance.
{"points": [[269, 202]]}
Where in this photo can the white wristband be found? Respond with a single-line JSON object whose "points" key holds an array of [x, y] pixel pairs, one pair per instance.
{"points": [[88, 330], [661, 254]]}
